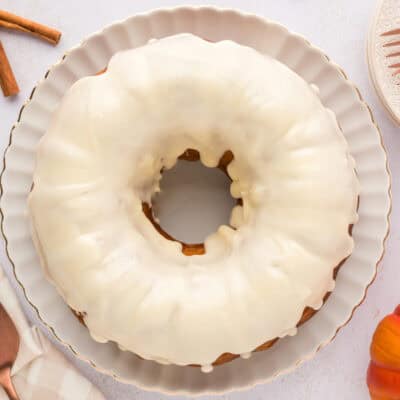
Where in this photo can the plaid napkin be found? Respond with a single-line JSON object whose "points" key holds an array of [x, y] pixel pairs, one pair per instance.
{"points": [[41, 372]]}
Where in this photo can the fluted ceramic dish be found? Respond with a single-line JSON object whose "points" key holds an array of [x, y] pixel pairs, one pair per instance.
{"points": [[336, 92]]}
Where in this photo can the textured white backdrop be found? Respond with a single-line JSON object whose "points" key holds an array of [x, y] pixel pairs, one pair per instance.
{"points": [[339, 27]]}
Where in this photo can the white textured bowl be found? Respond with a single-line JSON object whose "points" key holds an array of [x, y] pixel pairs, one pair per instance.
{"points": [[336, 93]]}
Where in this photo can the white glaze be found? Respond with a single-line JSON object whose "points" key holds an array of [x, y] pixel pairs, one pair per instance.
{"points": [[207, 368], [101, 158]]}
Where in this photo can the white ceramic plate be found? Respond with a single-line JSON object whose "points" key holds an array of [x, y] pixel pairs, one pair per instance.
{"points": [[387, 85], [336, 93]]}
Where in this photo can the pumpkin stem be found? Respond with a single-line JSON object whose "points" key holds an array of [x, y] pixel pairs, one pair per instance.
{"points": [[397, 310]]}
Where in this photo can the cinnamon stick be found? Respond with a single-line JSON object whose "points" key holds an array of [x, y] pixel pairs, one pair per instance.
{"points": [[8, 83], [12, 21]]}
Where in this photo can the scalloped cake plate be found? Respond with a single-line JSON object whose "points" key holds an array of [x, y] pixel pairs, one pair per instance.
{"points": [[336, 92]]}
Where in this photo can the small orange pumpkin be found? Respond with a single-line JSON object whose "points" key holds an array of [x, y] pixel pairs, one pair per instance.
{"points": [[383, 377]]}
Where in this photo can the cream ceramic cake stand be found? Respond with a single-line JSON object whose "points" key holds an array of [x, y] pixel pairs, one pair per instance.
{"points": [[336, 92]]}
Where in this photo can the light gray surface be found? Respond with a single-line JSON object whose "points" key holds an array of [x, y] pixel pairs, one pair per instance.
{"points": [[189, 189], [339, 27]]}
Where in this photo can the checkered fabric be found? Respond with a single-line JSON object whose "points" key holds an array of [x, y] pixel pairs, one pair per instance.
{"points": [[41, 372]]}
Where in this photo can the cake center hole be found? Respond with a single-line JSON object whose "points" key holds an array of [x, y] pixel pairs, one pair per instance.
{"points": [[194, 201]]}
